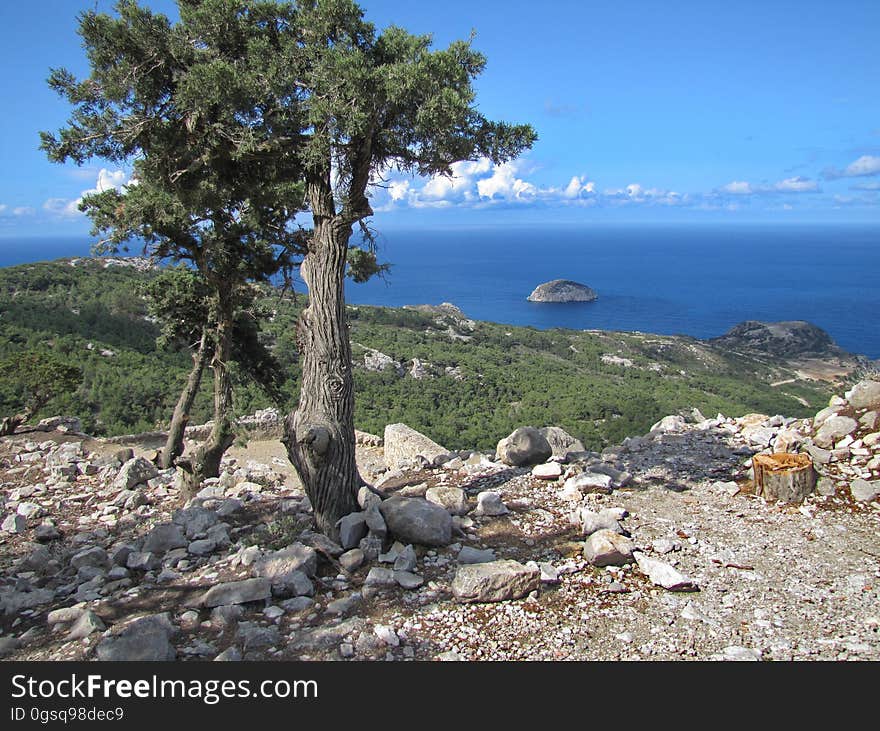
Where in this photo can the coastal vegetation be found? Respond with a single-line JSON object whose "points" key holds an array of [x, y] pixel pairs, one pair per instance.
{"points": [[600, 386]]}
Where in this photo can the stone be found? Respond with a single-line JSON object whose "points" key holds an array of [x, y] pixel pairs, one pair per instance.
{"points": [[560, 441], [94, 556], [375, 522], [87, 623], [13, 602], [495, 581], [453, 499], [238, 592], [296, 557], [833, 429], [226, 614], [408, 580], [865, 491], [562, 290], [134, 472], [65, 615], [490, 504], [352, 528], [415, 520], [143, 561], [298, 604], [253, 636], [367, 498], [230, 654], [345, 604], [469, 555], [144, 639], [195, 521], [379, 577], [607, 548], [865, 395], [387, 635], [8, 645], [547, 471], [371, 547], [202, 547], [525, 446], [663, 574], [818, 455], [403, 444], [46, 532], [870, 419], [14, 523], [321, 543], [670, 424], [590, 521], [30, 510], [163, 538], [587, 482], [406, 560], [352, 560]]}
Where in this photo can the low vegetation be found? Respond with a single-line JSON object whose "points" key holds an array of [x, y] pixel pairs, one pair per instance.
{"points": [[481, 382]]}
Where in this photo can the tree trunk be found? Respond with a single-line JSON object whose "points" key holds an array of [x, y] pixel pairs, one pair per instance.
{"points": [[204, 461], [174, 444], [10, 423], [319, 435]]}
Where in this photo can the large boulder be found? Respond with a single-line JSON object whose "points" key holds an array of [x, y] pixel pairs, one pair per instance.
{"points": [[454, 499], [561, 442], [278, 565], [834, 429], [495, 581], [144, 639], [135, 472], [865, 395], [404, 445], [237, 592], [163, 538], [415, 520], [525, 446]]}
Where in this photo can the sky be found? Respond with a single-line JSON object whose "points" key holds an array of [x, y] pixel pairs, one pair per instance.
{"points": [[684, 111]]}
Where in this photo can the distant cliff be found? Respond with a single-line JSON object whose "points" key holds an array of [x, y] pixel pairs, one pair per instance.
{"points": [[562, 290]]}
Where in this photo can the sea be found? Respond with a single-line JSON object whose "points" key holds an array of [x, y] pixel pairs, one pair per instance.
{"points": [[696, 280]]}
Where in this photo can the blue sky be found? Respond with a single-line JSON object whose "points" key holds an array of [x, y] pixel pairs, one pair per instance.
{"points": [[677, 111]]}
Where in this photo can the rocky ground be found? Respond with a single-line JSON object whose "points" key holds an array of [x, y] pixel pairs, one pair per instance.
{"points": [[657, 549]]}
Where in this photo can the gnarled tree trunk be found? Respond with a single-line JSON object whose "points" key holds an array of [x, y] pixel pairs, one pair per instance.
{"points": [[174, 443], [319, 435], [204, 461], [10, 423]]}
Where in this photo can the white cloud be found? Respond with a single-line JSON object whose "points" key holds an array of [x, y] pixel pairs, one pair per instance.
{"points": [[3, 207], [737, 187], [23, 211], [873, 185], [579, 187], [865, 166], [798, 184], [106, 180], [505, 185]]}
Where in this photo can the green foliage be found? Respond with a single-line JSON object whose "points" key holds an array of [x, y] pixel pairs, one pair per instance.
{"points": [[31, 379], [512, 376]]}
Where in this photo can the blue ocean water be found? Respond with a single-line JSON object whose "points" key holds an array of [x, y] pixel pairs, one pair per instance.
{"points": [[689, 280], [696, 280]]}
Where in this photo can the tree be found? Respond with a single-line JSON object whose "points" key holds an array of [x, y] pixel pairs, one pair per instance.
{"points": [[35, 378], [368, 102], [179, 299], [183, 104]]}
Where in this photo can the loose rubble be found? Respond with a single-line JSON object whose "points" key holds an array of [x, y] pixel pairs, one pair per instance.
{"points": [[654, 549]]}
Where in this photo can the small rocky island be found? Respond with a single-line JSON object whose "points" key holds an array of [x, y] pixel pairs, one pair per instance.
{"points": [[562, 290]]}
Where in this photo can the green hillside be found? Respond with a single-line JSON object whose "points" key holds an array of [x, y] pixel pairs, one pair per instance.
{"points": [[600, 386]]}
